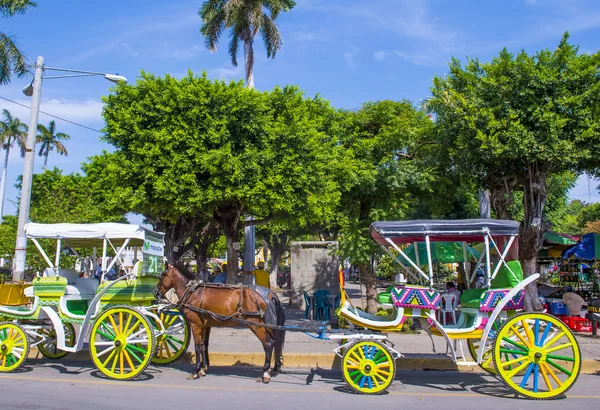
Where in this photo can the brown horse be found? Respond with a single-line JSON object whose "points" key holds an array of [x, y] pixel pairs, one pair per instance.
{"points": [[209, 305]]}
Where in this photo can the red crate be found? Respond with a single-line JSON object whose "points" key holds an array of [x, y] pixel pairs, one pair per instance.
{"points": [[578, 324]]}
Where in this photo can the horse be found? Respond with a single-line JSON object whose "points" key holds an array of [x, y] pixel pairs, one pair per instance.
{"points": [[205, 306]]}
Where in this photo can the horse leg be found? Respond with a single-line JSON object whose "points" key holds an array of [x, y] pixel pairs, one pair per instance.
{"points": [[206, 334], [199, 347], [268, 344], [278, 356]]}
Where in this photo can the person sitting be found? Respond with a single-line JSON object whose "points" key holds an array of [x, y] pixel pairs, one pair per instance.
{"points": [[261, 276], [450, 287], [220, 274]]}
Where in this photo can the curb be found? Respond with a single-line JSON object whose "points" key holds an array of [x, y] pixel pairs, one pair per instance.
{"points": [[326, 361]]}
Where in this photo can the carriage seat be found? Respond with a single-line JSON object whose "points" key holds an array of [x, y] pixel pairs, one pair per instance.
{"points": [[82, 289], [504, 279]]}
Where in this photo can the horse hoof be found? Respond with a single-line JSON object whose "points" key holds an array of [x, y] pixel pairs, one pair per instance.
{"points": [[192, 376], [266, 379], [203, 372]]}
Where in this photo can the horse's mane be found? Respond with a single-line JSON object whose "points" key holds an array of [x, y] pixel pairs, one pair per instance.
{"points": [[184, 271]]}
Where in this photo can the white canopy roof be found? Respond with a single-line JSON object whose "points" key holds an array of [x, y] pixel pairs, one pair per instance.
{"points": [[90, 235]]}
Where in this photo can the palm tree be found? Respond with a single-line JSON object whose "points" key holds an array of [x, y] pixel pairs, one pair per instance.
{"points": [[246, 19], [12, 131], [11, 58], [49, 139]]}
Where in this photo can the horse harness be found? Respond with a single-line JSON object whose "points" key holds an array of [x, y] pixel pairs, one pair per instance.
{"points": [[238, 316]]}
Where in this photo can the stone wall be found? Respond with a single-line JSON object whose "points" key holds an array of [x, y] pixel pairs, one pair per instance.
{"points": [[314, 266]]}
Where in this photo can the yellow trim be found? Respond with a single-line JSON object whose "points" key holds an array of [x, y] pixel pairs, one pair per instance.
{"points": [[475, 334]]}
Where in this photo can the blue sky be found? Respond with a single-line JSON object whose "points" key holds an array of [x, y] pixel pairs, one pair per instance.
{"points": [[348, 51]]}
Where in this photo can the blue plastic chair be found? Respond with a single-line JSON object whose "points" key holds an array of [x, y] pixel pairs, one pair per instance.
{"points": [[336, 303], [309, 306], [322, 305]]}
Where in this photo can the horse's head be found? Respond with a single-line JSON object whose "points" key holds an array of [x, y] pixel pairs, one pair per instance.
{"points": [[165, 282]]}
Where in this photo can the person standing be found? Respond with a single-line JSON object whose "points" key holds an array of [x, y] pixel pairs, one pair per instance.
{"points": [[220, 274], [261, 276]]}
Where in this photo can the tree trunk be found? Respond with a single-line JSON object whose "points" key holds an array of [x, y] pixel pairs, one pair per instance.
{"points": [[229, 220], [249, 62], [484, 203], [367, 274], [277, 244], [46, 160], [532, 229], [3, 183]]}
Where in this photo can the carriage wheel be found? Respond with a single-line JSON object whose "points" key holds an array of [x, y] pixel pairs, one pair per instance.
{"points": [[173, 344], [537, 356], [48, 347], [122, 343], [487, 361], [14, 347], [368, 367]]}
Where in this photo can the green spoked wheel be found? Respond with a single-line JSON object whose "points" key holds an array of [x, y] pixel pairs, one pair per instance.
{"points": [[122, 343], [14, 347], [537, 356], [48, 347], [174, 343], [368, 367]]}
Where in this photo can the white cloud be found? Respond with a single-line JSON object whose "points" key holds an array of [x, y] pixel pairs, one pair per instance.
{"points": [[380, 55], [350, 55], [182, 54], [227, 74], [88, 111]]}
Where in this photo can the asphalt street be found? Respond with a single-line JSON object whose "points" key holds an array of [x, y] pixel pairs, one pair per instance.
{"points": [[55, 385]]}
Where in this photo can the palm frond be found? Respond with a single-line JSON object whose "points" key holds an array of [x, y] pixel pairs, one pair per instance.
{"points": [[60, 148], [233, 47], [271, 36], [62, 136], [214, 17], [11, 59], [9, 8]]}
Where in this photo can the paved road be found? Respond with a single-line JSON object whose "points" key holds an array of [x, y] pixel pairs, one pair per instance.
{"points": [[45, 385]]}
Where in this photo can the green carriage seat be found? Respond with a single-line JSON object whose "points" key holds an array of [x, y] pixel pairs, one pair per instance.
{"points": [[504, 280], [385, 297]]}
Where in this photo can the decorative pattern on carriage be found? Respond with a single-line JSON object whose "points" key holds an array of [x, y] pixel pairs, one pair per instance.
{"points": [[416, 297], [490, 299]]}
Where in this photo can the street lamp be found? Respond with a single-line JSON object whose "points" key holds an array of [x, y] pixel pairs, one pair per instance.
{"points": [[35, 90]]}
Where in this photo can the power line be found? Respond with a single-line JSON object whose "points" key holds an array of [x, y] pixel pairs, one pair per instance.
{"points": [[53, 116]]}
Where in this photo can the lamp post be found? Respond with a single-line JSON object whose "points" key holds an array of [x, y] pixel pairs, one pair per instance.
{"points": [[35, 90]]}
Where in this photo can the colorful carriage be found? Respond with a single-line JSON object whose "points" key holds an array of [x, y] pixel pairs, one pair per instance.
{"points": [[534, 354], [116, 319]]}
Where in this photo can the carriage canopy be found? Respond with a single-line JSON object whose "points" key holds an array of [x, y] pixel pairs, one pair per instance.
{"points": [[468, 230]]}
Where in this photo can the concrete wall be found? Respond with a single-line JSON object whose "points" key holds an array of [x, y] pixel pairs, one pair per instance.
{"points": [[314, 266]]}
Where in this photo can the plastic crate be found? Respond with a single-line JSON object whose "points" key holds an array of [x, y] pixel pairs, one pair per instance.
{"points": [[578, 324]]}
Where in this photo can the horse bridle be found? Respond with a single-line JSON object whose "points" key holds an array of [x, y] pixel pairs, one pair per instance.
{"points": [[157, 293]]}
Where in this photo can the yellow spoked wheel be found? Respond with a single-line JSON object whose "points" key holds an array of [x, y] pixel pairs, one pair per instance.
{"points": [[122, 343], [14, 347], [537, 356], [487, 361], [48, 347], [174, 343], [368, 367]]}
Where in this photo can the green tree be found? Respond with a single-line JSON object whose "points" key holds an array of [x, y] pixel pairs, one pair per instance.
{"points": [[382, 144], [49, 139], [246, 19], [512, 123], [11, 58], [197, 148], [12, 131]]}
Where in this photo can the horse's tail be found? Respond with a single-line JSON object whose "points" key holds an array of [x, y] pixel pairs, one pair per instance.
{"points": [[279, 333]]}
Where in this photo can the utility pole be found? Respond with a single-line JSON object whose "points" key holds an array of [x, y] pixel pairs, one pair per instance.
{"points": [[21, 245]]}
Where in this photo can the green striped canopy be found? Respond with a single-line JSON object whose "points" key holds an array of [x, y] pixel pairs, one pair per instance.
{"points": [[443, 252]]}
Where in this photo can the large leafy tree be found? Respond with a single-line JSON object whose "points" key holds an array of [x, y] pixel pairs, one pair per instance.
{"points": [[246, 19], [196, 148], [12, 131], [514, 122], [11, 58], [383, 143], [48, 140]]}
